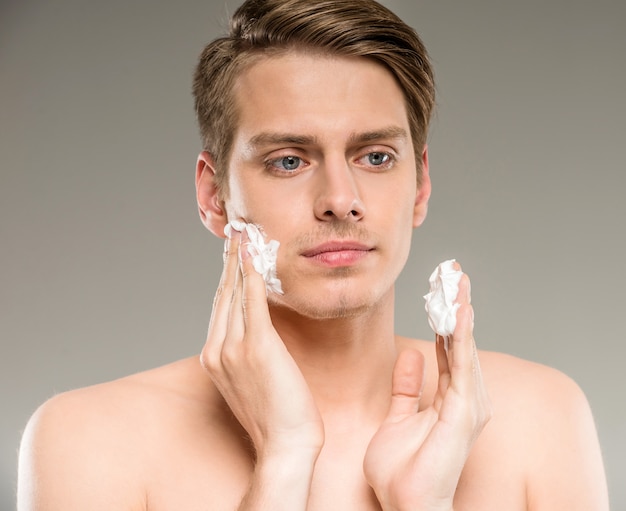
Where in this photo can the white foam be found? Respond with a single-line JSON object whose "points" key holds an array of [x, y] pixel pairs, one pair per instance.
{"points": [[263, 254], [440, 306]]}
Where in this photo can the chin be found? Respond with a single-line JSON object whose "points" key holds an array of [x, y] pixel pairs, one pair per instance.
{"points": [[325, 306]]}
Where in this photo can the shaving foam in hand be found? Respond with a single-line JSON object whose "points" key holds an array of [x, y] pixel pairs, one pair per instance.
{"points": [[263, 254], [440, 306]]}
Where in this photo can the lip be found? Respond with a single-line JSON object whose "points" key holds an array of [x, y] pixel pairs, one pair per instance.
{"points": [[337, 253]]}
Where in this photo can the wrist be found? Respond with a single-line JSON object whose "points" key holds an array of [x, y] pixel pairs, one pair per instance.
{"points": [[281, 481], [292, 465], [301, 446]]}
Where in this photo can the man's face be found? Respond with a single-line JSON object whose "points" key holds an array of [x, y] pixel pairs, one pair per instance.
{"points": [[323, 160]]}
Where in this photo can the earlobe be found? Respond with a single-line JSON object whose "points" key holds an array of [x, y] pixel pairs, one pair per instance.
{"points": [[423, 192], [210, 206]]}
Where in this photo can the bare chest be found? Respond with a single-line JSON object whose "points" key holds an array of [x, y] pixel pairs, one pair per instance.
{"points": [[215, 475]]}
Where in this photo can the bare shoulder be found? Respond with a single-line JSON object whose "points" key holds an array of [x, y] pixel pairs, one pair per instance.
{"points": [[557, 442], [512, 379], [107, 409], [516, 384], [99, 445]]}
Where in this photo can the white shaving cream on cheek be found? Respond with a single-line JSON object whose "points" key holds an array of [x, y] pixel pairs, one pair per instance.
{"points": [[440, 306], [263, 254]]}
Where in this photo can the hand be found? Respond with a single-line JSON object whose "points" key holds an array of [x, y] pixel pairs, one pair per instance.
{"points": [[251, 367], [415, 459]]}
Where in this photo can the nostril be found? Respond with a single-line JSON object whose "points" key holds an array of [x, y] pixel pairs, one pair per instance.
{"points": [[351, 212]]}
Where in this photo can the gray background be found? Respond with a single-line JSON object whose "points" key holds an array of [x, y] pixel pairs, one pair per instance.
{"points": [[106, 270]]}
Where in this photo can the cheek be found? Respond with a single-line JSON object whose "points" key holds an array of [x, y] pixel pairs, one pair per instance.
{"points": [[399, 218], [243, 202], [396, 201], [275, 216]]}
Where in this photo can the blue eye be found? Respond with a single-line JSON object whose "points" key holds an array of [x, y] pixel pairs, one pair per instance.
{"points": [[288, 162], [288, 165], [378, 159]]}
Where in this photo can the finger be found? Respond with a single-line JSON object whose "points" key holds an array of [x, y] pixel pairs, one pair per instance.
{"points": [[463, 349], [443, 368], [236, 329], [466, 374], [254, 304], [407, 384], [218, 323], [445, 344]]}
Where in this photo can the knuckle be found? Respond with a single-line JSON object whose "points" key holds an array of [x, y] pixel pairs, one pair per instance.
{"points": [[224, 291], [245, 271], [246, 302], [219, 292], [228, 355], [230, 253], [474, 415], [481, 416], [209, 360]]}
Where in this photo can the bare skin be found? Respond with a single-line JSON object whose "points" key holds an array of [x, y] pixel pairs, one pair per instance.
{"points": [[164, 440], [308, 400]]}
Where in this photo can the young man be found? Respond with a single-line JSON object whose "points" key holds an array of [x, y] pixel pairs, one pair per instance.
{"points": [[314, 116]]}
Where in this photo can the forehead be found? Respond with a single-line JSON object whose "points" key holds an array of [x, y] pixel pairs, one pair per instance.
{"points": [[321, 96]]}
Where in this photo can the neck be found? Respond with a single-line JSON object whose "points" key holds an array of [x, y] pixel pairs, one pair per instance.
{"points": [[346, 361]]}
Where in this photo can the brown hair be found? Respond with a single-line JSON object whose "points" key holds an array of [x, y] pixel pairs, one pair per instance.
{"points": [[348, 28]]}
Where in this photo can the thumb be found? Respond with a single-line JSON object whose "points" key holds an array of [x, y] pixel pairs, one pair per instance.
{"points": [[407, 384]]}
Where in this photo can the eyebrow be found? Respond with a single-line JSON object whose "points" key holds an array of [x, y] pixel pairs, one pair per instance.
{"points": [[271, 138], [390, 132]]}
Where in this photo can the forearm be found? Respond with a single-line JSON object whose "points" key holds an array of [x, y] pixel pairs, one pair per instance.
{"points": [[281, 483]]}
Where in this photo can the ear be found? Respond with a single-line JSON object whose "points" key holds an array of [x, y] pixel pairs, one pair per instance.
{"points": [[423, 192], [210, 206]]}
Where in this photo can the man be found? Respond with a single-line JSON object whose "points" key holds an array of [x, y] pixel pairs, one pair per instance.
{"points": [[314, 117]]}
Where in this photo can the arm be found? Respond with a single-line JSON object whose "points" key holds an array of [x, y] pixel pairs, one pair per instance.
{"points": [[69, 460], [565, 469], [260, 381]]}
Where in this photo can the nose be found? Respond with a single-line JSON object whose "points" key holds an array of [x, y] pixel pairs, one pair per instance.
{"points": [[338, 197]]}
